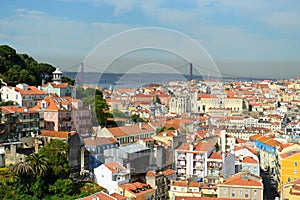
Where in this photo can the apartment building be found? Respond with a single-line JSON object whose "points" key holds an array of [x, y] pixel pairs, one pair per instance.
{"points": [[129, 134], [111, 175], [191, 160], [22, 94], [241, 186]]}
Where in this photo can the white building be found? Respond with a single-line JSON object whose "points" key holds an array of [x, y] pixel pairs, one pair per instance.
{"points": [[22, 94], [111, 175], [192, 160], [247, 160]]}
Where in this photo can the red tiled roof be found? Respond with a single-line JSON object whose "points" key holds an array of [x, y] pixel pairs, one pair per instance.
{"points": [[56, 134], [249, 160], [151, 173], [290, 153], [136, 185], [194, 184], [215, 155], [99, 141], [131, 130], [114, 167], [202, 146], [15, 109], [184, 146], [118, 196], [169, 133], [31, 90], [168, 172], [207, 96], [180, 183], [101, 195], [238, 180]]}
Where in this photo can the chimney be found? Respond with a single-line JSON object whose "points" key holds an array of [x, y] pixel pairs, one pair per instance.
{"points": [[39, 87], [140, 125], [13, 88], [25, 109]]}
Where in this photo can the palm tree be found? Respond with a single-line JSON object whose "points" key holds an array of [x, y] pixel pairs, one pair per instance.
{"points": [[39, 164], [22, 169]]}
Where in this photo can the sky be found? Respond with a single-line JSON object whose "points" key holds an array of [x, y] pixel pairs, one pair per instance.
{"points": [[257, 38]]}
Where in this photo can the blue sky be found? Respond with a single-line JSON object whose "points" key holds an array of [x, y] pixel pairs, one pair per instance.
{"points": [[243, 37]]}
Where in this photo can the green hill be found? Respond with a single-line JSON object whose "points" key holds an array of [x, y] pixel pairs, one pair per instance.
{"points": [[21, 68]]}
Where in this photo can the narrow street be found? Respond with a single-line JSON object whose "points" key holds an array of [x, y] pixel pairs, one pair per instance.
{"points": [[267, 185]]}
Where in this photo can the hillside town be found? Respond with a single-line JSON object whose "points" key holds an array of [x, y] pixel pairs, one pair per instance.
{"points": [[198, 139]]}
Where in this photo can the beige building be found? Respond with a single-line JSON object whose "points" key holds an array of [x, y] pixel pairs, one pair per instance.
{"points": [[208, 101], [243, 185]]}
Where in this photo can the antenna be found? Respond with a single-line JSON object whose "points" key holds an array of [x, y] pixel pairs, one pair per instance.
{"points": [[191, 71]]}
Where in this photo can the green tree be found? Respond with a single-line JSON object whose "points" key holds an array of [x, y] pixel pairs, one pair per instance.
{"points": [[24, 172], [62, 187], [161, 129], [39, 163], [56, 152], [157, 99], [119, 114], [39, 188], [136, 118]]}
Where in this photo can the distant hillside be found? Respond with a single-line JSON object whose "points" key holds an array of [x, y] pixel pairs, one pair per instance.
{"points": [[21, 68]]}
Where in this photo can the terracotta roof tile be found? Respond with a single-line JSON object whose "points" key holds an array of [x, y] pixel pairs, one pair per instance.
{"points": [[114, 167], [180, 183], [56, 134], [168, 172], [131, 130], [249, 160], [101, 195], [31, 90], [99, 141], [215, 155], [238, 180]]}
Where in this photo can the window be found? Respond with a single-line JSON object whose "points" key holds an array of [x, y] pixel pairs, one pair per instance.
{"points": [[240, 192], [233, 193], [295, 179], [224, 191], [255, 192], [175, 188], [246, 194], [289, 179], [295, 164], [295, 171]]}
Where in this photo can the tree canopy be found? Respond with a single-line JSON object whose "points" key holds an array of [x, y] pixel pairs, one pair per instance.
{"points": [[44, 175], [21, 68]]}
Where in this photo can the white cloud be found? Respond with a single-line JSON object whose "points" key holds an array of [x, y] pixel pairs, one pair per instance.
{"points": [[283, 20], [53, 39]]}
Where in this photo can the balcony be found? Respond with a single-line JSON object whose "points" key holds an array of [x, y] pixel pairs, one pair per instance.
{"points": [[181, 157]]}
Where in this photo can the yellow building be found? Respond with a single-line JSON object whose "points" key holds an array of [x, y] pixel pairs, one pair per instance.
{"points": [[291, 191], [287, 167]]}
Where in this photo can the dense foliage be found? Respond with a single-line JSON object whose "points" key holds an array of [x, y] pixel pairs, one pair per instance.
{"points": [[94, 98], [21, 68], [44, 175]]}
